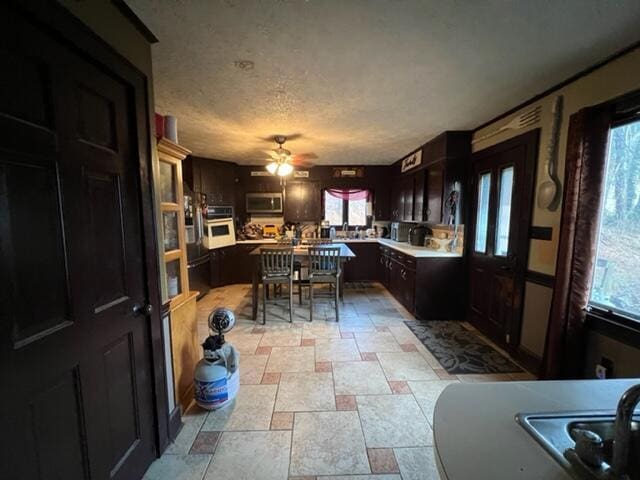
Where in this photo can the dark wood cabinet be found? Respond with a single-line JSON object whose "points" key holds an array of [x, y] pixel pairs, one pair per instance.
{"points": [[223, 267], [382, 266], [302, 202], [214, 178], [381, 204], [364, 267], [434, 192]]}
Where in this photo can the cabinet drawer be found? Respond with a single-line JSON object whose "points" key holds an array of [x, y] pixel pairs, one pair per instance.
{"points": [[410, 262]]}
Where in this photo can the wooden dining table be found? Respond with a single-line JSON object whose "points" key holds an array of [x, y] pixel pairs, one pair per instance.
{"points": [[300, 252]]}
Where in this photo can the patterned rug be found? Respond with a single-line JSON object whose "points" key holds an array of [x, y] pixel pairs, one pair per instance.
{"points": [[459, 350]]}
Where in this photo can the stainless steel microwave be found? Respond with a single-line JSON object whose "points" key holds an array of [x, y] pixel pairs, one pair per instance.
{"points": [[264, 202]]}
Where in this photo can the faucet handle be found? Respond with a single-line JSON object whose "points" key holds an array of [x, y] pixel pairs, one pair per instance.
{"points": [[589, 447]]}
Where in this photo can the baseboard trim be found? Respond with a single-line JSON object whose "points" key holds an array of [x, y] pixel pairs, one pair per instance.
{"points": [[175, 423]]}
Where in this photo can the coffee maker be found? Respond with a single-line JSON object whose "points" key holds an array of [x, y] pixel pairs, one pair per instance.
{"points": [[325, 229]]}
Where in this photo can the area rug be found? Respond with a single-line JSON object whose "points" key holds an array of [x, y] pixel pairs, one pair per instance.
{"points": [[459, 350]]}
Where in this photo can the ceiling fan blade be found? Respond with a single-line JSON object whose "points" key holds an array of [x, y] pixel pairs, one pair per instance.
{"points": [[306, 156], [301, 163]]}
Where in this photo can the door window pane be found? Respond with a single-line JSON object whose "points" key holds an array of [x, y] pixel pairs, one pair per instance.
{"points": [[332, 209], [482, 217], [504, 211], [616, 283]]}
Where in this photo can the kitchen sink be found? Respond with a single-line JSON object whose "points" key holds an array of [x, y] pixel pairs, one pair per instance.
{"points": [[556, 433]]}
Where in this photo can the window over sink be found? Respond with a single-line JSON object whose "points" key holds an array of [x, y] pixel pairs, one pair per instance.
{"points": [[345, 205], [616, 283]]}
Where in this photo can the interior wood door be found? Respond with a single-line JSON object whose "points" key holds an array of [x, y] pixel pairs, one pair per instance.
{"points": [[76, 373], [499, 241]]}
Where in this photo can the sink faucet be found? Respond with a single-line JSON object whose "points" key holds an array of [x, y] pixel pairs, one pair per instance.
{"points": [[622, 428]]}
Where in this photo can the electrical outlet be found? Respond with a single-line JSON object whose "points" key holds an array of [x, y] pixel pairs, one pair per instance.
{"points": [[605, 368]]}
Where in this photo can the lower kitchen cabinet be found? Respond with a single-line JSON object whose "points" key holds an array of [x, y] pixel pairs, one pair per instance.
{"points": [[430, 288], [232, 264], [363, 267]]}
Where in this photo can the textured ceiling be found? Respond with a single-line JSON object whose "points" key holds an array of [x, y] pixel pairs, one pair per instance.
{"points": [[363, 81]]}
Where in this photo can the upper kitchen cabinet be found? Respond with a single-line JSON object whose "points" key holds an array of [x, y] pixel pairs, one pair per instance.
{"points": [[214, 178], [302, 202], [420, 194]]}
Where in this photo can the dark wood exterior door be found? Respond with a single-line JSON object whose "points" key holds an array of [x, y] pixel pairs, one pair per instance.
{"points": [[499, 237], [75, 359]]}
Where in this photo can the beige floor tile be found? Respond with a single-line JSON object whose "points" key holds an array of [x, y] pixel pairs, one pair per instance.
{"points": [[417, 463], [406, 366], [360, 323], [393, 421], [395, 320], [245, 343], [305, 392], [359, 378], [336, 350], [192, 421], [328, 443], [252, 368], [377, 342], [251, 455], [251, 410], [178, 467], [382, 460], [289, 337], [282, 421], [291, 359], [321, 330], [427, 394], [402, 334]]}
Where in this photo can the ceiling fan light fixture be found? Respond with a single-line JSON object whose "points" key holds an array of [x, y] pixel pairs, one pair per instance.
{"points": [[285, 169], [272, 168]]}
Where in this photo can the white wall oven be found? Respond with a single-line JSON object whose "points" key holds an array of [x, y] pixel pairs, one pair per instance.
{"points": [[219, 233]]}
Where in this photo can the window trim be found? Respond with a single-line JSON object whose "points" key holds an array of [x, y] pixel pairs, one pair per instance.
{"points": [[345, 213], [599, 315]]}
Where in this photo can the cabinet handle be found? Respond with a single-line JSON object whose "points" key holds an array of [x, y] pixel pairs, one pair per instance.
{"points": [[403, 274], [390, 265], [381, 261]]}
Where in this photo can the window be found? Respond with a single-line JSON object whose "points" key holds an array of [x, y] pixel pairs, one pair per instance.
{"points": [[616, 283], [482, 217], [504, 211], [346, 205]]}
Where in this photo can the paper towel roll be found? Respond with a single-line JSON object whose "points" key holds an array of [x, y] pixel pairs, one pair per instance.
{"points": [[171, 128]]}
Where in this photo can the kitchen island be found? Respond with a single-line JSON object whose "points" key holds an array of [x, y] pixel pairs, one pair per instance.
{"points": [[477, 437]]}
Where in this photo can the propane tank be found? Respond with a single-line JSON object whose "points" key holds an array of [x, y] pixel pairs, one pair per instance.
{"points": [[217, 375]]}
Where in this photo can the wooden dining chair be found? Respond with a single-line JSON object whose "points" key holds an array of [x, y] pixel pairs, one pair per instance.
{"points": [[324, 268], [277, 269]]}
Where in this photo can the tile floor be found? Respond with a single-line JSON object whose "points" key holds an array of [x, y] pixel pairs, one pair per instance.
{"points": [[321, 400]]}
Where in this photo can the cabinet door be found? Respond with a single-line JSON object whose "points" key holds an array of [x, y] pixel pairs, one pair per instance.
{"points": [[228, 265], [302, 202], [408, 282], [216, 270], [418, 196], [407, 193], [381, 204], [435, 181], [397, 200]]}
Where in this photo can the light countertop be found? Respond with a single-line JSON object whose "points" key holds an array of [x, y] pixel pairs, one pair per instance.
{"points": [[476, 435], [404, 247]]}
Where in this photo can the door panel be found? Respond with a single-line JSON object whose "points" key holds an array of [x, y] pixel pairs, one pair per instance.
{"points": [[503, 179], [75, 359]]}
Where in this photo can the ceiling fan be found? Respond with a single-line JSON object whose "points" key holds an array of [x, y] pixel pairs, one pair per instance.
{"points": [[282, 162]]}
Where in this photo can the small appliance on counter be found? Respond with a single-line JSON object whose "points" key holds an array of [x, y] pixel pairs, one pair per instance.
{"points": [[270, 231], [325, 229], [400, 231], [417, 235]]}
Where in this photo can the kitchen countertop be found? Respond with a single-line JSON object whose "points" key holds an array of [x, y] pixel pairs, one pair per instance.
{"points": [[476, 435], [404, 247]]}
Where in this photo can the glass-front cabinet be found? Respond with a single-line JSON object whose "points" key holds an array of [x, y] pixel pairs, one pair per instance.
{"points": [[172, 219]]}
